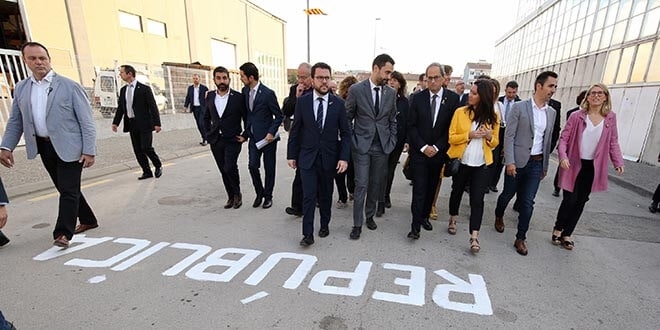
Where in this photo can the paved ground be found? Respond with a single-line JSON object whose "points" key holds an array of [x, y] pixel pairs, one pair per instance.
{"points": [[168, 256]]}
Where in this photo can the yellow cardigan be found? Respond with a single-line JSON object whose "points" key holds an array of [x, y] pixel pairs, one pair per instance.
{"points": [[459, 130]]}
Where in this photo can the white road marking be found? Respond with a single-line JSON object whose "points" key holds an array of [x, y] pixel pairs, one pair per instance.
{"points": [[97, 279], [254, 297]]}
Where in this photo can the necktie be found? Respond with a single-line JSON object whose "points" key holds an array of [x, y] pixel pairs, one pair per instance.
{"points": [[506, 111], [319, 114], [129, 101], [251, 99], [433, 106], [377, 103]]}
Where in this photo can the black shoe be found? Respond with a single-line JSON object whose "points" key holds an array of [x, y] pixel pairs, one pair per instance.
{"points": [[229, 204], [307, 240], [158, 172], [388, 202], [238, 201], [380, 209], [267, 203], [426, 224], [292, 211], [324, 232], [653, 208], [493, 189], [413, 234], [355, 232], [371, 224], [145, 176], [3, 239], [555, 193], [257, 201], [203, 143]]}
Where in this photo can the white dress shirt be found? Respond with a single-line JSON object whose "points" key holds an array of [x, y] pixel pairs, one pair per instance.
{"points": [[130, 88], [195, 96], [540, 124], [438, 103], [39, 101], [221, 104]]}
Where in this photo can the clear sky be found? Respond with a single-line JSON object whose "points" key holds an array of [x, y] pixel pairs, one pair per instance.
{"points": [[414, 32]]}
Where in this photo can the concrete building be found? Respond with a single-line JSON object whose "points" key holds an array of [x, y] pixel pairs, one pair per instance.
{"points": [[610, 41], [475, 69]]}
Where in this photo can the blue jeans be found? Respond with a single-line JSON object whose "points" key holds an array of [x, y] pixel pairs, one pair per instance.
{"points": [[525, 184], [4, 324]]}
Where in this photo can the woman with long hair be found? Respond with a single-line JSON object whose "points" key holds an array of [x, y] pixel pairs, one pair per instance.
{"points": [[588, 139], [473, 133], [346, 179]]}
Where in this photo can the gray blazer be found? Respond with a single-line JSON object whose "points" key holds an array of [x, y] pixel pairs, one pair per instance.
{"points": [[364, 123], [69, 120], [519, 134]]}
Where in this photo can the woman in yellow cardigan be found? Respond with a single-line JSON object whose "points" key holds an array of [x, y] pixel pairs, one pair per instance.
{"points": [[473, 134]]}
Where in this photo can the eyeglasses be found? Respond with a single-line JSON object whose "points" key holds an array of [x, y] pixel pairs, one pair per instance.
{"points": [[596, 93], [431, 78], [319, 78], [302, 77]]}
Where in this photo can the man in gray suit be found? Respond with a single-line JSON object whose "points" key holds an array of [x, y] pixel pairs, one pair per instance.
{"points": [[527, 147], [54, 116], [371, 110]]}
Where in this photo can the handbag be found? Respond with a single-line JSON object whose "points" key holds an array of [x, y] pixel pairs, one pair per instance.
{"points": [[451, 167]]}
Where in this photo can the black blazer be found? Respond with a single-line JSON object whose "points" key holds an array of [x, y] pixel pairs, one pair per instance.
{"points": [[420, 121], [190, 97], [228, 126], [557, 130], [266, 117], [463, 98], [501, 99], [3, 193], [144, 107], [402, 109]]}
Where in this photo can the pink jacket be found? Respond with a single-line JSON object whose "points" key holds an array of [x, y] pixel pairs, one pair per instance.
{"points": [[569, 148]]}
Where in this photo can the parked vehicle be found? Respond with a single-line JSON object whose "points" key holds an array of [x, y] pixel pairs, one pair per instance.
{"points": [[106, 92]]}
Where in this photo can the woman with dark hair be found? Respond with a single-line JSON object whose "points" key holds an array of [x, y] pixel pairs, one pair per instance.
{"points": [[588, 139], [346, 179], [473, 134], [398, 82]]}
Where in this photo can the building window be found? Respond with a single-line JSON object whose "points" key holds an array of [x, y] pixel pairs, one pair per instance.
{"points": [[641, 60], [611, 67], [130, 21], [157, 28], [624, 65], [654, 75]]}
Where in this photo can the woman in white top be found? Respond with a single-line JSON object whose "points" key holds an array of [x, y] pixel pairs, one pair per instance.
{"points": [[473, 133]]}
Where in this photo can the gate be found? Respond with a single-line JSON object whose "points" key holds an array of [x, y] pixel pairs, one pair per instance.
{"points": [[12, 71]]}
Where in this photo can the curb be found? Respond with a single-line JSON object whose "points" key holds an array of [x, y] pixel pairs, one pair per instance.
{"points": [[630, 186]]}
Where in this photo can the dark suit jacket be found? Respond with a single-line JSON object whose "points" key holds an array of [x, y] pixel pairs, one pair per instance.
{"points": [[501, 99], [421, 131], [569, 112], [290, 104], [463, 99], [402, 110], [306, 141], [230, 123], [190, 95], [557, 130], [144, 107], [266, 116]]}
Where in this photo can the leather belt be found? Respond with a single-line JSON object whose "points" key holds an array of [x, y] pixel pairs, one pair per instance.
{"points": [[536, 157]]}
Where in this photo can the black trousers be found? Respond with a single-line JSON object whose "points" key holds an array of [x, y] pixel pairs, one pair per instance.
{"points": [[225, 152], [198, 113], [476, 178], [340, 181], [495, 169], [254, 160], [656, 195], [317, 183], [297, 192], [426, 174], [350, 176], [572, 203], [144, 151], [391, 169], [66, 177]]}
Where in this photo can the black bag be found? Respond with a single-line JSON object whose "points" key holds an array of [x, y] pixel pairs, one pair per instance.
{"points": [[451, 167]]}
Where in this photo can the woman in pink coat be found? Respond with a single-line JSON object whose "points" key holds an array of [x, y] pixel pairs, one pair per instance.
{"points": [[589, 138]]}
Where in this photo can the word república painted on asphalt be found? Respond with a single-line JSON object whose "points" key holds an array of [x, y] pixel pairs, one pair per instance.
{"points": [[357, 279]]}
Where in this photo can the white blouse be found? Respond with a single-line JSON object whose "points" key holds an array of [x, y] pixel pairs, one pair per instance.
{"points": [[590, 138], [474, 153]]}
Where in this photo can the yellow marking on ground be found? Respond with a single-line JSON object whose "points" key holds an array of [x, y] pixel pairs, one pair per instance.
{"points": [[55, 194], [200, 156]]}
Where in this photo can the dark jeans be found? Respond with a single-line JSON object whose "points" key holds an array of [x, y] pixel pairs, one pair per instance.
{"points": [[226, 153], [573, 202], [476, 178], [143, 149], [198, 113], [525, 184], [254, 160], [66, 177], [4, 324]]}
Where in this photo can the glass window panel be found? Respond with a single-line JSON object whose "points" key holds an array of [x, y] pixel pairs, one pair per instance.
{"points": [[578, 28], [611, 67], [588, 24], [624, 9], [575, 47], [130, 21], [157, 28], [624, 65], [574, 14], [611, 14], [567, 51], [651, 22], [641, 60], [584, 5], [654, 75], [570, 33], [654, 4], [595, 40], [619, 32], [603, 4], [600, 19], [634, 28], [639, 7], [584, 45], [606, 37]]}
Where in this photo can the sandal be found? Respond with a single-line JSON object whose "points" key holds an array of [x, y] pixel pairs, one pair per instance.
{"points": [[474, 245], [566, 244], [452, 227]]}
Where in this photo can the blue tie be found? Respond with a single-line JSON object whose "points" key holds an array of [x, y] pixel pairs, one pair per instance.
{"points": [[319, 115]]}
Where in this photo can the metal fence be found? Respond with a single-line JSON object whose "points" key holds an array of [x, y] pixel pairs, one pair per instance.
{"points": [[12, 71]]}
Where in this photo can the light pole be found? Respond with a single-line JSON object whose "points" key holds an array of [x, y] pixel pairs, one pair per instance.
{"points": [[375, 33], [307, 31]]}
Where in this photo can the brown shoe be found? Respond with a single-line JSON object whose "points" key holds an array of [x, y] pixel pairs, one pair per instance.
{"points": [[519, 244], [499, 224], [83, 228], [238, 201], [62, 242]]}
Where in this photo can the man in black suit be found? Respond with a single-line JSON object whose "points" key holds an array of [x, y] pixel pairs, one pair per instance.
{"points": [[263, 120], [508, 99], [303, 87], [225, 110], [195, 102], [137, 107], [3, 215], [462, 96], [428, 136], [314, 146]]}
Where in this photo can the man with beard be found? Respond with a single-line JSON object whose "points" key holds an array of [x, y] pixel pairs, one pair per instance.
{"points": [[371, 107], [225, 110], [315, 148], [303, 87]]}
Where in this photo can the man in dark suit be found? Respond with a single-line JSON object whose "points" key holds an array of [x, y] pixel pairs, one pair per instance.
{"points": [[263, 120], [462, 96], [314, 147], [428, 136], [371, 107], [508, 99], [53, 115], [225, 110], [527, 148], [303, 87], [137, 107], [3, 216], [195, 102]]}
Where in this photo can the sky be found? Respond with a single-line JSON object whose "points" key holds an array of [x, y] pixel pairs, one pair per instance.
{"points": [[414, 32]]}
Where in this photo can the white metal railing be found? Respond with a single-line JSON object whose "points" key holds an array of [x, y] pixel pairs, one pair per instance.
{"points": [[12, 70]]}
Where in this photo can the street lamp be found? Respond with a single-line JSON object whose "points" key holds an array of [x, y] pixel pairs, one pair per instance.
{"points": [[375, 33]]}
